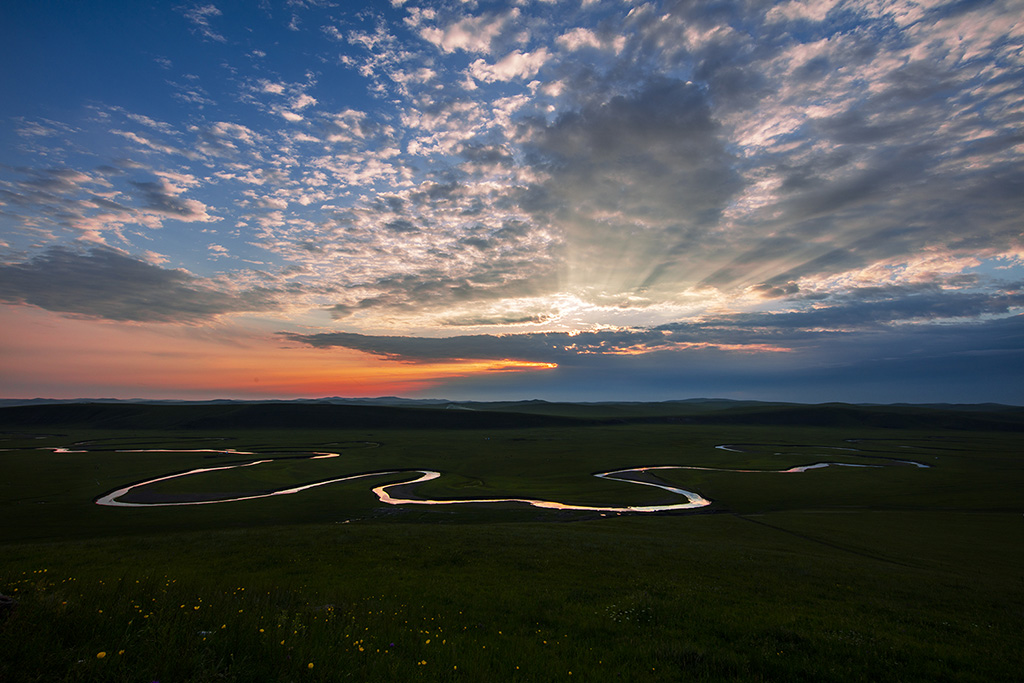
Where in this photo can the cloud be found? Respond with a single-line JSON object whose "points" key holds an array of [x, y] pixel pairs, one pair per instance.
{"points": [[163, 198], [303, 101], [797, 10], [433, 289], [472, 34], [762, 176], [539, 347], [104, 200], [578, 38], [870, 323], [849, 143], [639, 180], [584, 38], [923, 364], [863, 310], [200, 16], [352, 125], [150, 142], [41, 128], [103, 283], [513, 65]]}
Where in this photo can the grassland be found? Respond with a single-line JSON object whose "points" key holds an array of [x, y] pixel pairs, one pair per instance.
{"points": [[893, 573]]}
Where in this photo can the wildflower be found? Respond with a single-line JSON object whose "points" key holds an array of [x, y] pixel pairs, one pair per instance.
{"points": [[310, 665], [101, 655]]}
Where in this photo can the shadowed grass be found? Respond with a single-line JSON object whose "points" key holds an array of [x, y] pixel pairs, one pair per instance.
{"points": [[701, 598], [840, 574]]}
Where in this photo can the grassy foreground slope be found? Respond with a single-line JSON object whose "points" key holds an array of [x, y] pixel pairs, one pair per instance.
{"points": [[888, 573]]}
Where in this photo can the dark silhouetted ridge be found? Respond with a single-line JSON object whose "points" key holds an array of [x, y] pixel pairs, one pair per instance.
{"points": [[506, 415], [884, 417], [264, 416]]}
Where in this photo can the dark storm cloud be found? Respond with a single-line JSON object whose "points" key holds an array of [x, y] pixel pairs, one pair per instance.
{"points": [[106, 284]]}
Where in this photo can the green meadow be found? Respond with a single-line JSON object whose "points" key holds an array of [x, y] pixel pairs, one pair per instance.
{"points": [[886, 573]]}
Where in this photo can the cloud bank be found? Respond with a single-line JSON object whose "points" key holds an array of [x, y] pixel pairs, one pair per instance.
{"points": [[560, 182], [102, 283]]}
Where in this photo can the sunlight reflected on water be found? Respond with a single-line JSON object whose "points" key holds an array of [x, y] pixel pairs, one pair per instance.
{"points": [[692, 500]]}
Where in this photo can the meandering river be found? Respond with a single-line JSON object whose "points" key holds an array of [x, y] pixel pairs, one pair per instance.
{"points": [[387, 494]]}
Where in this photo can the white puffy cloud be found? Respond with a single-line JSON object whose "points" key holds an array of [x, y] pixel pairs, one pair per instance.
{"points": [[471, 34], [513, 65]]}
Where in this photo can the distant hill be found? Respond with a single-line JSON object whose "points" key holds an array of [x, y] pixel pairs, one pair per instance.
{"points": [[341, 414], [262, 416], [890, 417]]}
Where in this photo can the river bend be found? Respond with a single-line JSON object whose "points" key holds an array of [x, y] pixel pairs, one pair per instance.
{"points": [[690, 500]]}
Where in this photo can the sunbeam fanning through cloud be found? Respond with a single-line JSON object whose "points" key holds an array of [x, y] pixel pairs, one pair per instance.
{"points": [[581, 200]]}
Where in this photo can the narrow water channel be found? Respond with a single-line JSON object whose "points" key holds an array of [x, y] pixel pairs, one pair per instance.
{"points": [[635, 475]]}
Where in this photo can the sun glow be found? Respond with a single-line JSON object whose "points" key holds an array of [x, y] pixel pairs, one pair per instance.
{"points": [[682, 346], [123, 360]]}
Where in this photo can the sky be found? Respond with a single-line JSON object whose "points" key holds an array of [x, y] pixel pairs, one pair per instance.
{"points": [[582, 200]]}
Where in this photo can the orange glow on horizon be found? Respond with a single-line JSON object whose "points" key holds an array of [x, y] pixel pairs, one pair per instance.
{"points": [[323, 378], [60, 357]]}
